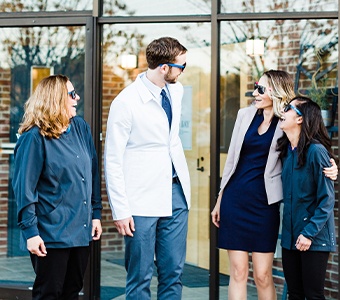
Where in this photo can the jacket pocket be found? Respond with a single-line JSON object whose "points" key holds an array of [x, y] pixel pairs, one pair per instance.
{"points": [[322, 239]]}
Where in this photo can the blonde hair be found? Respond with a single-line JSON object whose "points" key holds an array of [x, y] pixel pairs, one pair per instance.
{"points": [[46, 108], [282, 89]]}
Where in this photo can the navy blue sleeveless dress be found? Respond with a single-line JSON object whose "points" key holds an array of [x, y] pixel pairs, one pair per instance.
{"points": [[247, 222]]}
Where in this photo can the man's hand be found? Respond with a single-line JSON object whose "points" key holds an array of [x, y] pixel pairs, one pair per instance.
{"points": [[96, 229], [36, 246], [125, 226]]}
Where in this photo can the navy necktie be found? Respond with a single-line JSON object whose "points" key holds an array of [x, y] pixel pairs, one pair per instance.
{"points": [[166, 106]]}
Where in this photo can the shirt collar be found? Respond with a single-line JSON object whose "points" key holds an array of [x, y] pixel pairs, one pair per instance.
{"points": [[154, 89]]}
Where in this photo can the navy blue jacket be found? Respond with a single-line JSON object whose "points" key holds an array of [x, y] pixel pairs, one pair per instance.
{"points": [[57, 186], [308, 197]]}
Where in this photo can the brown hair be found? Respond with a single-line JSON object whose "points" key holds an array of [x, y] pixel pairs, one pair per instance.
{"points": [[313, 130], [163, 50], [46, 108]]}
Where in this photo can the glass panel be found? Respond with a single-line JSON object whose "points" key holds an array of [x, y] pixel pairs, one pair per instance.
{"points": [[307, 49], [28, 55], [154, 7], [195, 135], [251, 6], [42, 5]]}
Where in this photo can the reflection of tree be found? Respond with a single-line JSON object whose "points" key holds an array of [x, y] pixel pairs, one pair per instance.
{"points": [[61, 48], [318, 54], [278, 36], [118, 42]]}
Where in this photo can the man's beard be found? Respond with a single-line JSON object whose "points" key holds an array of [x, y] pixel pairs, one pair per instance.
{"points": [[169, 79]]}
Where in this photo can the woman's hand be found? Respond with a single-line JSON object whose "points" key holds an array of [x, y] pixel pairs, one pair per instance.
{"points": [[302, 243], [331, 172], [36, 246], [215, 214], [96, 229]]}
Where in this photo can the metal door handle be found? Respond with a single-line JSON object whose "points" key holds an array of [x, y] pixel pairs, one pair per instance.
{"points": [[198, 164]]}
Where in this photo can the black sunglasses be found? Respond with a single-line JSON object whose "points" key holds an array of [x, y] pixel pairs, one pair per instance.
{"points": [[289, 107], [73, 94], [260, 88]]}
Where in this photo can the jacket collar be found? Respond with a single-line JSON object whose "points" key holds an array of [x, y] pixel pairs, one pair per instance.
{"points": [[147, 96]]}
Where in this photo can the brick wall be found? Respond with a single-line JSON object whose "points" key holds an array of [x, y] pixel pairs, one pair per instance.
{"points": [[5, 86]]}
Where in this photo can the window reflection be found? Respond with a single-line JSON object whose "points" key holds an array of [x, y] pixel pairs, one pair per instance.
{"points": [[195, 118], [51, 5], [251, 6], [156, 7], [26, 56], [307, 49]]}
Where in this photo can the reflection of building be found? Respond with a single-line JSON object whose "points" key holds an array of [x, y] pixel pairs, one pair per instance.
{"points": [[219, 72]]}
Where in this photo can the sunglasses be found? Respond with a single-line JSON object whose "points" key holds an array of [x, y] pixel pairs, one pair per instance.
{"points": [[260, 88], [289, 107], [182, 67], [73, 94]]}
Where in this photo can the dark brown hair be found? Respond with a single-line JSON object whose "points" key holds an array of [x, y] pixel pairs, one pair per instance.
{"points": [[163, 50], [313, 130]]}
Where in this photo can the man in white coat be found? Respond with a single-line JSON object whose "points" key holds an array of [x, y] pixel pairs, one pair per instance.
{"points": [[146, 173]]}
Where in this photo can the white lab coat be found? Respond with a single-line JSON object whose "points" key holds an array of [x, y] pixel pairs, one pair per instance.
{"points": [[138, 152]]}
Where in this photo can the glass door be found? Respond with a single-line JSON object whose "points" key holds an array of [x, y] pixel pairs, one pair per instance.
{"points": [[122, 62], [28, 55]]}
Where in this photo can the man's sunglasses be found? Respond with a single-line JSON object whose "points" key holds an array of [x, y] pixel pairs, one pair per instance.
{"points": [[73, 94], [260, 88], [289, 107], [182, 67]]}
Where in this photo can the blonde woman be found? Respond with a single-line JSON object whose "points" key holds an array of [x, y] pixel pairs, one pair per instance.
{"points": [[57, 189], [247, 208]]}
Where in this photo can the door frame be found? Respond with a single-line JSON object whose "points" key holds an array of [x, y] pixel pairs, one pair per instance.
{"points": [[92, 108], [92, 101]]}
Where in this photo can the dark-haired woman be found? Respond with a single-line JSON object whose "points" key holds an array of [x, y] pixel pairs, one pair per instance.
{"points": [[308, 230]]}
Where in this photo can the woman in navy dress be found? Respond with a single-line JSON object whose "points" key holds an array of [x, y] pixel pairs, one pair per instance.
{"points": [[247, 209]]}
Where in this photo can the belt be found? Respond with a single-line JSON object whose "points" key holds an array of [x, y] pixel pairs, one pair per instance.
{"points": [[175, 180]]}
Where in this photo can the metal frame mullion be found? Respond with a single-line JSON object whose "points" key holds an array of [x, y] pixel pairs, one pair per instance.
{"points": [[50, 21], [338, 185], [214, 258], [44, 19], [277, 16], [154, 19], [92, 112]]}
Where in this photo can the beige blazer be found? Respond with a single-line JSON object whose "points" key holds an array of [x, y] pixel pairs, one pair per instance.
{"points": [[272, 173]]}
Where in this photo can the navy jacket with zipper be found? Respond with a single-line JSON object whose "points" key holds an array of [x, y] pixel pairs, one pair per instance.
{"points": [[308, 197]]}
